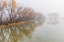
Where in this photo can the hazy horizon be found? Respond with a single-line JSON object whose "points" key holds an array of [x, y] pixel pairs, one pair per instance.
{"points": [[45, 6]]}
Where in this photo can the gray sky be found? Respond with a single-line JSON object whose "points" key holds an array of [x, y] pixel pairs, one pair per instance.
{"points": [[45, 6]]}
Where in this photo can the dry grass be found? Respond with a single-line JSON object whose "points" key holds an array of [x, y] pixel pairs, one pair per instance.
{"points": [[15, 24], [12, 24]]}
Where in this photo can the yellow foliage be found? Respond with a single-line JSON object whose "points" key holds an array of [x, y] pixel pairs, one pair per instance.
{"points": [[4, 3], [13, 3]]}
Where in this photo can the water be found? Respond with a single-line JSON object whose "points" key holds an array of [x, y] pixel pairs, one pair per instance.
{"points": [[49, 32], [44, 30]]}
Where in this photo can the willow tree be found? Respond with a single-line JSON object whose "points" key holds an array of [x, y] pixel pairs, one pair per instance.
{"points": [[9, 3], [7, 10], [11, 12], [13, 3]]}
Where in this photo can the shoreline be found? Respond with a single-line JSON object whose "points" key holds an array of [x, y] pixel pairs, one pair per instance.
{"points": [[15, 24]]}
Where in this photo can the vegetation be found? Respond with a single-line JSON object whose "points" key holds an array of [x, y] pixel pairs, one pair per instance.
{"points": [[53, 15], [10, 12], [17, 22], [19, 33]]}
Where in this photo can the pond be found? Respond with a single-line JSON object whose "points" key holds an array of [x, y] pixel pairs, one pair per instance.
{"points": [[49, 32], [44, 30]]}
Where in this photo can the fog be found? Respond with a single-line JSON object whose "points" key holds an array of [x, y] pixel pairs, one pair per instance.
{"points": [[45, 6]]}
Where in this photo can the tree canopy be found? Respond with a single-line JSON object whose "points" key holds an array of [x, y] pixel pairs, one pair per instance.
{"points": [[11, 12]]}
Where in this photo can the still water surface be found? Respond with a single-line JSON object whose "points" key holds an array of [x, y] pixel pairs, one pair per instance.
{"points": [[36, 31]]}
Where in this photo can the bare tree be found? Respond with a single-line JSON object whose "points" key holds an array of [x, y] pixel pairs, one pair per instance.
{"points": [[10, 12]]}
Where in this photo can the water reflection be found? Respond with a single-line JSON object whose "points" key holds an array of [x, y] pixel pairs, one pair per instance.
{"points": [[19, 33], [53, 18], [53, 21]]}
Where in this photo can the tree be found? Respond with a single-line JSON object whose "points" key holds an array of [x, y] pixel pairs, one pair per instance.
{"points": [[53, 15], [53, 18], [15, 13], [13, 3]]}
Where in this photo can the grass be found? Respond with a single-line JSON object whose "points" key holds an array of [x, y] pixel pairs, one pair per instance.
{"points": [[15, 24]]}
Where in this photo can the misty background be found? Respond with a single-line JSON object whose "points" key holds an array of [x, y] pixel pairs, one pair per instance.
{"points": [[45, 6]]}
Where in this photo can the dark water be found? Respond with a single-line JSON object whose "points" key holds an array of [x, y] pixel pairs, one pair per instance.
{"points": [[44, 30]]}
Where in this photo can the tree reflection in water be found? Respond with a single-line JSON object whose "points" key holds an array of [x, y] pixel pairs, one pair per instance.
{"points": [[53, 21], [19, 33], [53, 18]]}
